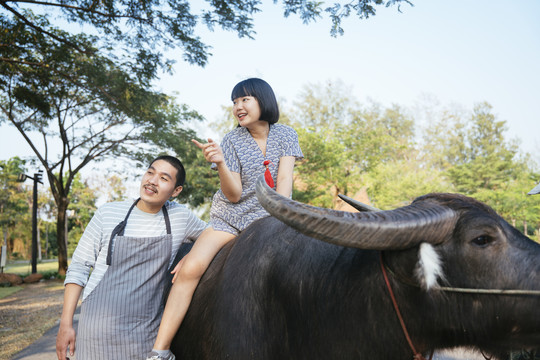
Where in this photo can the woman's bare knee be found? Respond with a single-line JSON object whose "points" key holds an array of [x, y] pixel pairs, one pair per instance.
{"points": [[191, 269]]}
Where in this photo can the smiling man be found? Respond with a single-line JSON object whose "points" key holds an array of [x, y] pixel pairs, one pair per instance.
{"points": [[121, 263]]}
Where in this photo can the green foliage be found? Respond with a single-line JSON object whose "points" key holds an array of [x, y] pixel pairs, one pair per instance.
{"points": [[49, 245], [138, 33], [473, 153], [12, 199], [98, 111], [397, 183], [378, 135], [51, 274], [91, 92], [342, 141], [116, 188], [487, 160], [348, 146], [511, 201], [15, 213], [324, 172], [363, 8], [81, 208], [15, 203], [200, 182], [320, 117], [227, 123]]}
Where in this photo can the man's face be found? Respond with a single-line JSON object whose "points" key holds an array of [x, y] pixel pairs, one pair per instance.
{"points": [[158, 186]]}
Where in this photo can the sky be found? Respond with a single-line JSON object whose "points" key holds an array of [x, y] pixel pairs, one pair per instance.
{"points": [[459, 52], [456, 51]]}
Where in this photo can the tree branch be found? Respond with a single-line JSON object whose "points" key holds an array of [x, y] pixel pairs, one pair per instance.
{"points": [[78, 8], [29, 141], [37, 28], [13, 61]]}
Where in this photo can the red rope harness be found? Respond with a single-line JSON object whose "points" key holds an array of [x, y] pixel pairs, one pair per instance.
{"points": [[417, 355]]}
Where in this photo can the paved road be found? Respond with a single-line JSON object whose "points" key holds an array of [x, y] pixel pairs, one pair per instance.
{"points": [[45, 348]]}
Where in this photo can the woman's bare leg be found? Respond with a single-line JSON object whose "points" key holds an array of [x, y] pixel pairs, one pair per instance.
{"points": [[195, 264]]}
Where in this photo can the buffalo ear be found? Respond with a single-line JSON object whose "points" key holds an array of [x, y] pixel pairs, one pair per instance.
{"points": [[360, 206]]}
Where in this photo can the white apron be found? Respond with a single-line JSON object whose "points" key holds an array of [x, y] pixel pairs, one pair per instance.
{"points": [[120, 318]]}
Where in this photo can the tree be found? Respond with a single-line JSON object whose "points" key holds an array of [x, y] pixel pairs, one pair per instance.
{"points": [[93, 108], [14, 206], [397, 183], [320, 117], [325, 171], [140, 32], [378, 135], [116, 188], [47, 223], [443, 142], [473, 153], [82, 205], [91, 92], [342, 141], [511, 201], [488, 160]]}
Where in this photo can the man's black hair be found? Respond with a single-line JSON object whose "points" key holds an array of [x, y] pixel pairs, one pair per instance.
{"points": [[177, 164]]}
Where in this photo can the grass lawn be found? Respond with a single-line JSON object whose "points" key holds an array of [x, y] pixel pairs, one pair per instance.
{"points": [[25, 268], [6, 291]]}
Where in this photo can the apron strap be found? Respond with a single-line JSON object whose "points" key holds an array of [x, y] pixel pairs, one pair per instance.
{"points": [[167, 221], [119, 229]]}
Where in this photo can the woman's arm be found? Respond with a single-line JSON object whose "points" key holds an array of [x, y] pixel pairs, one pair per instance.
{"points": [[231, 182], [285, 175]]}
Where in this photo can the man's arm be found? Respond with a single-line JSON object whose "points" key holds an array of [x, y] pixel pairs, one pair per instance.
{"points": [[66, 332]]}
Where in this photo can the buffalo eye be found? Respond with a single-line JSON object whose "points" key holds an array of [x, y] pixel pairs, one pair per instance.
{"points": [[482, 240]]}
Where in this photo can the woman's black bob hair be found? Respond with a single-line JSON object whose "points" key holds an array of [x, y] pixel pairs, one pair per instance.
{"points": [[264, 94]]}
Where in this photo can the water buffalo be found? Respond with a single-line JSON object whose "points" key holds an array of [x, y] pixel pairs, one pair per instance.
{"points": [[279, 292]]}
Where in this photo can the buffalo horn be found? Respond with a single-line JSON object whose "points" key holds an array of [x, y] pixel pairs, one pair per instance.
{"points": [[401, 228], [535, 190], [358, 205]]}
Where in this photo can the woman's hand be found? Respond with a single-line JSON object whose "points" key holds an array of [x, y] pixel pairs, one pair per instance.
{"points": [[211, 150], [231, 182]]}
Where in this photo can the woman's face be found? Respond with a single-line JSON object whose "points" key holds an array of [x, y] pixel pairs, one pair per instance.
{"points": [[246, 110]]}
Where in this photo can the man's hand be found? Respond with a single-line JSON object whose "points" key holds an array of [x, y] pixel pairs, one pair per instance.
{"points": [[65, 339], [176, 269]]}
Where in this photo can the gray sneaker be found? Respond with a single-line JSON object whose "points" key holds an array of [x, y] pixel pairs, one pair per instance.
{"points": [[155, 356]]}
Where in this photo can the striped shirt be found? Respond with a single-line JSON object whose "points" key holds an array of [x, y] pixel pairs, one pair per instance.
{"points": [[88, 263]]}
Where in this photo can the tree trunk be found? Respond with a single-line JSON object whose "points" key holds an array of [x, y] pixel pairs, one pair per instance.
{"points": [[61, 236], [525, 227], [3, 255], [38, 244], [47, 240]]}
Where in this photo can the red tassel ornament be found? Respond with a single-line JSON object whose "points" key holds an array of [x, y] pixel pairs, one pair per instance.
{"points": [[267, 175]]}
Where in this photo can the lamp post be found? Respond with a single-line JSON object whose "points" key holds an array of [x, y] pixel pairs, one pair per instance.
{"points": [[37, 179]]}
